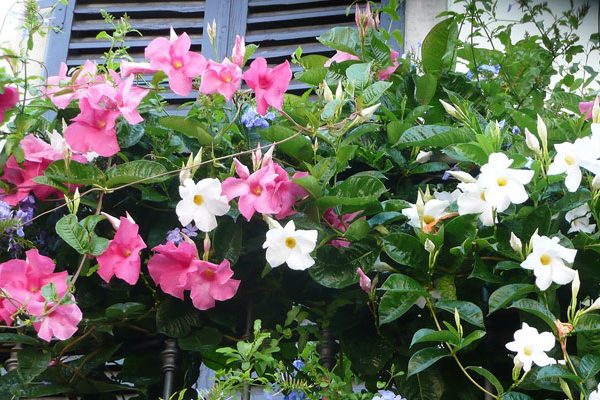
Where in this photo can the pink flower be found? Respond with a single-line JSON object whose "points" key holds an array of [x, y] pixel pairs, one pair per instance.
{"points": [[364, 281], [131, 68], [61, 323], [269, 84], [385, 74], [224, 78], [22, 282], [239, 51], [174, 58], [177, 269], [340, 224], [210, 282], [339, 57], [255, 191], [38, 155], [286, 193], [8, 99], [170, 266], [585, 107], [122, 256], [63, 89], [121, 96], [93, 130]]}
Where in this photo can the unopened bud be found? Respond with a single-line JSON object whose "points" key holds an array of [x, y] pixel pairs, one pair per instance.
{"points": [[429, 246], [575, 284], [462, 176], [172, 36], [596, 182], [115, 222], [206, 247], [195, 163], [339, 91], [595, 305], [327, 94], [596, 111], [542, 132], [450, 109], [532, 142], [184, 174], [423, 156], [368, 112], [515, 243], [211, 30]]}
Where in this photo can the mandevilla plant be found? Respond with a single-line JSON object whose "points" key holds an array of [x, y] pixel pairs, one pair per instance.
{"points": [[399, 230]]}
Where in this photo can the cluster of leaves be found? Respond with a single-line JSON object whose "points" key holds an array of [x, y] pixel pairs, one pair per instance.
{"points": [[355, 163]]}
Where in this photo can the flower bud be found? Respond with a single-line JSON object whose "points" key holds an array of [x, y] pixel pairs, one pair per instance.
{"points": [[364, 281], [184, 174], [542, 132], [368, 112], [532, 142], [172, 36], [115, 222], [327, 94], [596, 111], [462, 176], [515, 243], [575, 284], [195, 163], [450, 109], [239, 51], [596, 182], [211, 30], [429, 246], [423, 156], [339, 91], [2, 144], [207, 245], [595, 305]]}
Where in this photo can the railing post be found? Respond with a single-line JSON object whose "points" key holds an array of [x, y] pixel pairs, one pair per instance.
{"points": [[169, 358], [327, 349]]}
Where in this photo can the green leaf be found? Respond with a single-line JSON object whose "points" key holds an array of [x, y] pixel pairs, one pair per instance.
{"points": [[489, 376], [472, 338], [436, 45], [588, 323], [32, 362], [129, 135], [91, 221], [121, 311], [430, 335], [425, 88], [468, 152], [400, 294], [425, 358], [359, 74], [428, 385], [341, 38], [332, 109], [312, 76], [227, 240], [175, 318], [373, 92], [535, 308], [555, 372], [589, 366], [75, 173], [357, 190], [205, 339], [299, 147], [468, 311], [405, 249], [190, 127], [336, 268], [18, 338], [433, 135], [73, 234], [357, 230], [97, 244], [311, 185], [141, 172], [515, 396], [502, 296]]}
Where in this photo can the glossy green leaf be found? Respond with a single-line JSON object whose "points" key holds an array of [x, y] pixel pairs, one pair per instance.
{"points": [[405, 249], [142, 172], [425, 358], [341, 38], [504, 295], [468, 311], [430, 335], [190, 127], [488, 376], [400, 294]]}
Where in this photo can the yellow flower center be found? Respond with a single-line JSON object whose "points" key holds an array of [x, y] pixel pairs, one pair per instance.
{"points": [[198, 200], [569, 160], [528, 351], [208, 274], [290, 242], [545, 259], [177, 64], [428, 219], [126, 252], [227, 78], [482, 196], [101, 124], [502, 181], [256, 190]]}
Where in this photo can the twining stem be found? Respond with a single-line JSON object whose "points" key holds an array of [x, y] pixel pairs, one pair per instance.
{"points": [[462, 368]]}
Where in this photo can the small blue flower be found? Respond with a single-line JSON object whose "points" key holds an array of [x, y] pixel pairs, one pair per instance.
{"points": [[469, 75], [493, 69], [502, 124], [251, 119], [5, 211], [298, 364], [516, 130], [190, 231], [174, 235], [294, 395]]}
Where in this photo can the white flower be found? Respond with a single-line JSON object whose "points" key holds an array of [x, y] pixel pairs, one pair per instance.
{"points": [[542, 132], [429, 246], [571, 157], [288, 245], [547, 260], [2, 144], [531, 347], [462, 176], [433, 210], [532, 142], [423, 156], [595, 395], [473, 201], [595, 306], [503, 185], [515, 243], [448, 196], [201, 202], [579, 218]]}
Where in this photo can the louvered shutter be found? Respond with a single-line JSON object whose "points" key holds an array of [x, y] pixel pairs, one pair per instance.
{"points": [[277, 26]]}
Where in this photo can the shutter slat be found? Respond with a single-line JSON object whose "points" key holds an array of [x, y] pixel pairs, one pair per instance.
{"points": [[303, 14], [132, 42], [299, 32], [146, 24], [130, 8]]}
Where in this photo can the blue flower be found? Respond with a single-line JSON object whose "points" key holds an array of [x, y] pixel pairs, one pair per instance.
{"points": [[294, 395], [516, 130], [298, 364], [469, 75], [174, 235], [251, 119], [493, 69]]}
